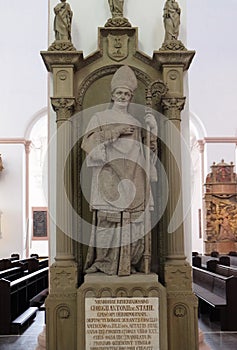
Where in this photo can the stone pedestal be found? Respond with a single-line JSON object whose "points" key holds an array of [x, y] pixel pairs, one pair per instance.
{"points": [[122, 313]]}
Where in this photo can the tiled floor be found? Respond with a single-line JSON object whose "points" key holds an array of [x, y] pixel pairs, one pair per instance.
{"points": [[28, 339], [213, 337]]}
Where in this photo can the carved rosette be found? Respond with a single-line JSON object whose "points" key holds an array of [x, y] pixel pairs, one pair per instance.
{"points": [[178, 278], [63, 107], [172, 107], [63, 279]]}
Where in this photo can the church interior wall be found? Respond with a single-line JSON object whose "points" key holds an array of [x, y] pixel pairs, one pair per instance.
{"points": [[12, 199], [210, 82]]}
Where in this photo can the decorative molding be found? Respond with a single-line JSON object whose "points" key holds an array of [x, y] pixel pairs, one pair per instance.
{"points": [[118, 22], [15, 141], [61, 58], [173, 45], [219, 140], [177, 58], [64, 107], [178, 278], [101, 72], [180, 310], [60, 45], [63, 311], [173, 106]]}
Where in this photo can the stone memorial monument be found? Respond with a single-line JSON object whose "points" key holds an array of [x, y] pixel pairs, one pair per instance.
{"points": [[120, 280]]}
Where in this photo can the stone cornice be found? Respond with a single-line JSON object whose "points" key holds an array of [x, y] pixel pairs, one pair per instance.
{"points": [[61, 58], [182, 58]]}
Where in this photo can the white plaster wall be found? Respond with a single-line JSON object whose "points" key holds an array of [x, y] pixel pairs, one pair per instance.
{"points": [[24, 90], [23, 94], [211, 28], [12, 200]]}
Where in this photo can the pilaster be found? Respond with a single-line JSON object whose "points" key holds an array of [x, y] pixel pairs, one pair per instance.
{"points": [[61, 310], [182, 303]]}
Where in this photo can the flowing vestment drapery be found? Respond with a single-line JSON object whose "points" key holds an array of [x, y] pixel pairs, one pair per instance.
{"points": [[116, 7], [118, 193]]}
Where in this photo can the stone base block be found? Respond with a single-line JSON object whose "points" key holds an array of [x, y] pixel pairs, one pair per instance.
{"points": [[127, 313]]}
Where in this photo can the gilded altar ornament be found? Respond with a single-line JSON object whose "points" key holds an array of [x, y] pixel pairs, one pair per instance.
{"points": [[171, 16], [117, 20], [62, 27], [1, 164]]}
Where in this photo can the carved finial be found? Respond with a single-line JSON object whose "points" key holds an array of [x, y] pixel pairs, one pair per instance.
{"points": [[117, 20], [62, 28], [171, 23]]}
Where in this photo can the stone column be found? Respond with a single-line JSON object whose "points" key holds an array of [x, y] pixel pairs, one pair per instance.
{"points": [[182, 303], [172, 107], [61, 310], [64, 108], [27, 150]]}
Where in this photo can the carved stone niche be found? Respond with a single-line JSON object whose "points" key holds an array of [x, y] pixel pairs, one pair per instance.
{"points": [[221, 209], [117, 47]]}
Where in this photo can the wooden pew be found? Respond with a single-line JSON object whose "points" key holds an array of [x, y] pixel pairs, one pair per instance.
{"points": [[219, 293], [223, 270], [203, 260], [12, 274], [15, 299]]}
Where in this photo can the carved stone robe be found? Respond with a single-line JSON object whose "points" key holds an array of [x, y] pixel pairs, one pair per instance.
{"points": [[121, 198], [116, 7]]}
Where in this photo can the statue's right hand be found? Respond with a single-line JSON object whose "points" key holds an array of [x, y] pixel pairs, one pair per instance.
{"points": [[128, 131]]}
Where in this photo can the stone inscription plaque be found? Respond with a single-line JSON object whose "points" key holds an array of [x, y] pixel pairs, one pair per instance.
{"points": [[122, 323]]}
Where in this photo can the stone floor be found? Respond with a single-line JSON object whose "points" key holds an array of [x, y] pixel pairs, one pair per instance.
{"points": [[28, 339], [213, 337]]}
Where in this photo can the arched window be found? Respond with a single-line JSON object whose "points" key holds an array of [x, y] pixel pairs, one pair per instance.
{"points": [[38, 188]]}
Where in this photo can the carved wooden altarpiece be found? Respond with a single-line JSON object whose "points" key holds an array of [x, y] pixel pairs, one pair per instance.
{"points": [[221, 209]]}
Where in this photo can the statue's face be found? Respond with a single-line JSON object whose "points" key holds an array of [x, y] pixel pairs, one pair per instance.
{"points": [[122, 96]]}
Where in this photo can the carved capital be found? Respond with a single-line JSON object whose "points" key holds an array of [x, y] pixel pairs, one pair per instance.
{"points": [[64, 108], [27, 146], [172, 107]]}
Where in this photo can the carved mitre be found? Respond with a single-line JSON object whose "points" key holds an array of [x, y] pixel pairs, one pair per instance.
{"points": [[124, 77]]}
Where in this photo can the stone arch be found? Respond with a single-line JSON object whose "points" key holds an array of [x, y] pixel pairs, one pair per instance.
{"points": [[101, 72]]}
